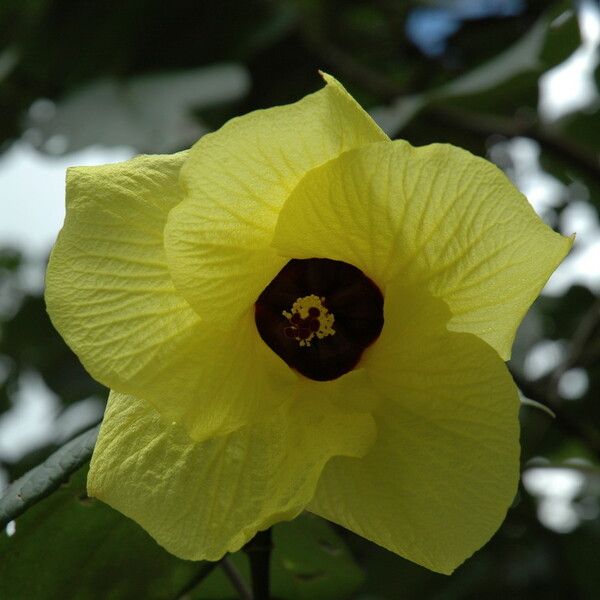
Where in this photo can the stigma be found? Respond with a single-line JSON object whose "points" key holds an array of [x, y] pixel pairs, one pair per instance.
{"points": [[308, 319]]}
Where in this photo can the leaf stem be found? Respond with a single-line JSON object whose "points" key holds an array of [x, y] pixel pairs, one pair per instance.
{"points": [[47, 477], [258, 550], [206, 568], [236, 579]]}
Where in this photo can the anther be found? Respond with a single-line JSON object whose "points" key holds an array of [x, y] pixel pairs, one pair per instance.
{"points": [[308, 318]]}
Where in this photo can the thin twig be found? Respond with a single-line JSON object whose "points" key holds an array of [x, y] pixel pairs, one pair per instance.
{"points": [[349, 67], [583, 431], [206, 568], [346, 65], [236, 579], [546, 389], [578, 345], [487, 125], [258, 550], [47, 477]]}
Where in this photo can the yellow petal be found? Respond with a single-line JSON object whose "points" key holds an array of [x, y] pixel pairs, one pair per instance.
{"points": [[218, 381], [108, 288], [435, 216], [110, 294], [236, 180], [445, 466], [201, 500]]}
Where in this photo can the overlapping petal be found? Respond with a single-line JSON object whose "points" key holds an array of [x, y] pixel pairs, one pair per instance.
{"points": [[200, 500], [108, 288], [444, 468], [436, 216], [236, 180], [110, 294]]}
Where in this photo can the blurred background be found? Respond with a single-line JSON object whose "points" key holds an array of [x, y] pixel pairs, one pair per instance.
{"points": [[516, 81]]}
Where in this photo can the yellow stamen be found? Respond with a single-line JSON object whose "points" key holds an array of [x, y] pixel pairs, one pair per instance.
{"points": [[309, 318]]}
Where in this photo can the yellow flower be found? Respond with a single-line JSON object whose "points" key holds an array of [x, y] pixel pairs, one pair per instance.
{"points": [[299, 313]]}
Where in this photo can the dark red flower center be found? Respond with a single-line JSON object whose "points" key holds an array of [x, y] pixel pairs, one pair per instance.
{"points": [[319, 315]]}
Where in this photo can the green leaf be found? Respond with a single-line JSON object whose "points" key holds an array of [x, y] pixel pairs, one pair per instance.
{"points": [[47, 477], [83, 549], [521, 57], [502, 85], [312, 561], [309, 561], [72, 546], [509, 82]]}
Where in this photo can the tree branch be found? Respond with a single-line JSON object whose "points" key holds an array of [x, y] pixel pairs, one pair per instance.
{"points": [[487, 125], [48, 476]]}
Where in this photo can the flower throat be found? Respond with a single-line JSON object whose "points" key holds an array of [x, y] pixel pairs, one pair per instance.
{"points": [[319, 315]]}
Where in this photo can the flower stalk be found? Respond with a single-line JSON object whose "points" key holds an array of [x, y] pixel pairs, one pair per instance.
{"points": [[258, 550]]}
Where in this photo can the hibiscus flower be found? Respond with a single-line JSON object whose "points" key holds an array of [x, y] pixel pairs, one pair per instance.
{"points": [[300, 314]]}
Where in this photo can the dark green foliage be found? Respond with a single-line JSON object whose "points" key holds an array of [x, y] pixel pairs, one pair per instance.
{"points": [[81, 548], [70, 546]]}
